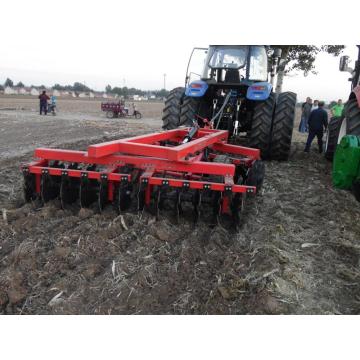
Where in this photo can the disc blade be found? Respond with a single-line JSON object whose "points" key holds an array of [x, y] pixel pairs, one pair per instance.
{"points": [[178, 209], [197, 204], [122, 199], [102, 195], [157, 203], [69, 191], [29, 187], [216, 207], [49, 187], [141, 199], [236, 207], [87, 192]]}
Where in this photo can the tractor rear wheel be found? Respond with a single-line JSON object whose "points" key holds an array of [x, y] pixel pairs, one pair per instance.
{"points": [[348, 124], [283, 125], [332, 135], [171, 112], [260, 133], [188, 110], [352, 116]]}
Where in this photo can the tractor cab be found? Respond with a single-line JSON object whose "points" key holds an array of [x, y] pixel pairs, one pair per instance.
{"points": [[228, 64], [234, 64], [227, 87], [229, 67]]}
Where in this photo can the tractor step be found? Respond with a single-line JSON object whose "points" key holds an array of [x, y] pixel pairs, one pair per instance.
{"points": [[147, 171]]}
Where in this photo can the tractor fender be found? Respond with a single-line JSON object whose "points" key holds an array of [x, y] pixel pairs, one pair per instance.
{"points": [[259, 91], [197, 88], [355, 94]]}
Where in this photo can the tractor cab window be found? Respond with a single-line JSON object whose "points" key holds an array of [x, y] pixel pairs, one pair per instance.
{"points": [[196, 64], [225, 57], [258, 64]]}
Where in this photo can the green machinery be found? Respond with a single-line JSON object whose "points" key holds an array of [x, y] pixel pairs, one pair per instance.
{"points": [[344, 135], [346, 166]]}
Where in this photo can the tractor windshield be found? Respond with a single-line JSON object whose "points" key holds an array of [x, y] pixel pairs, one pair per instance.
{"points": [[225, 57], [234, 63]]}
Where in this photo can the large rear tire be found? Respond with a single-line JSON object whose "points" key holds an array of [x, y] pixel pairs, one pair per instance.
{"points": [[189, 109], [260, 133], [348, 124], [332, 135], [283, 125], [171, 112], [352, 115]]}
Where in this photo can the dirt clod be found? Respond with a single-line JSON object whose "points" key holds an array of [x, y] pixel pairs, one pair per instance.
{"points": [[16, 295]]}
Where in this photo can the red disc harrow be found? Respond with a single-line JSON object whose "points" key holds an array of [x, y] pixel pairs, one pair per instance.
{"points": [[190, 165]]}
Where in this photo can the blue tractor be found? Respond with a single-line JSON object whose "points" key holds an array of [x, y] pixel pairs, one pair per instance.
{"points": [[233, 93]]}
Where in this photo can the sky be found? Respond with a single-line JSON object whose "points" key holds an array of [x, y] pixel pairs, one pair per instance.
{"points": [[134, 43]]}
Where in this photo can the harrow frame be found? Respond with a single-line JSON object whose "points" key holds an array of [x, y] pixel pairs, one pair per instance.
{"points": [[162, 159]]}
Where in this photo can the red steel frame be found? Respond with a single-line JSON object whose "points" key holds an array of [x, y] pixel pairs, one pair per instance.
{"points": [[148, 153]]}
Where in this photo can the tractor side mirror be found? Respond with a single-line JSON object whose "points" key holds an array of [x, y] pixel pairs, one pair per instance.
{"points": [[344, 63]]}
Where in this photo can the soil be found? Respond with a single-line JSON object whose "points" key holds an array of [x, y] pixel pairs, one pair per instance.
{"points": [[296, 252]]}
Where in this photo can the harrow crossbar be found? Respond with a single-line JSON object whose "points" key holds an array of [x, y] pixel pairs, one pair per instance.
{"points": [[143, 162], [146, 144]]}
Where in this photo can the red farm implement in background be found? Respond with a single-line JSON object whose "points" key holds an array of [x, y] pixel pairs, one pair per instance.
{"points": [[119, 110], [154, 171]]}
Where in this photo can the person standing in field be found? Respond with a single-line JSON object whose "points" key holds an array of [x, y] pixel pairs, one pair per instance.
{"points": [[318, 122], [306, 110], [337, 110], [43, 102], [315, 105], [53, 100]]}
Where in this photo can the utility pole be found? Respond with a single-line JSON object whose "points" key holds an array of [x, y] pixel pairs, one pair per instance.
{"points": [[164, 81]]}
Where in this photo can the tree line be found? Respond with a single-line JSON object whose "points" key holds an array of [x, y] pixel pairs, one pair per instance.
{"points": [[79, 87], [125, 91]]}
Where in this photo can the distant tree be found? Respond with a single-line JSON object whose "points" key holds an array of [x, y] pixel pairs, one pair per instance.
{"points": [[9, 82], [58, 87], [302, 58], [117, 90], [125, 92], [79, 87], [161, 93], [108, 89], [20, 84], [1, 88]]}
